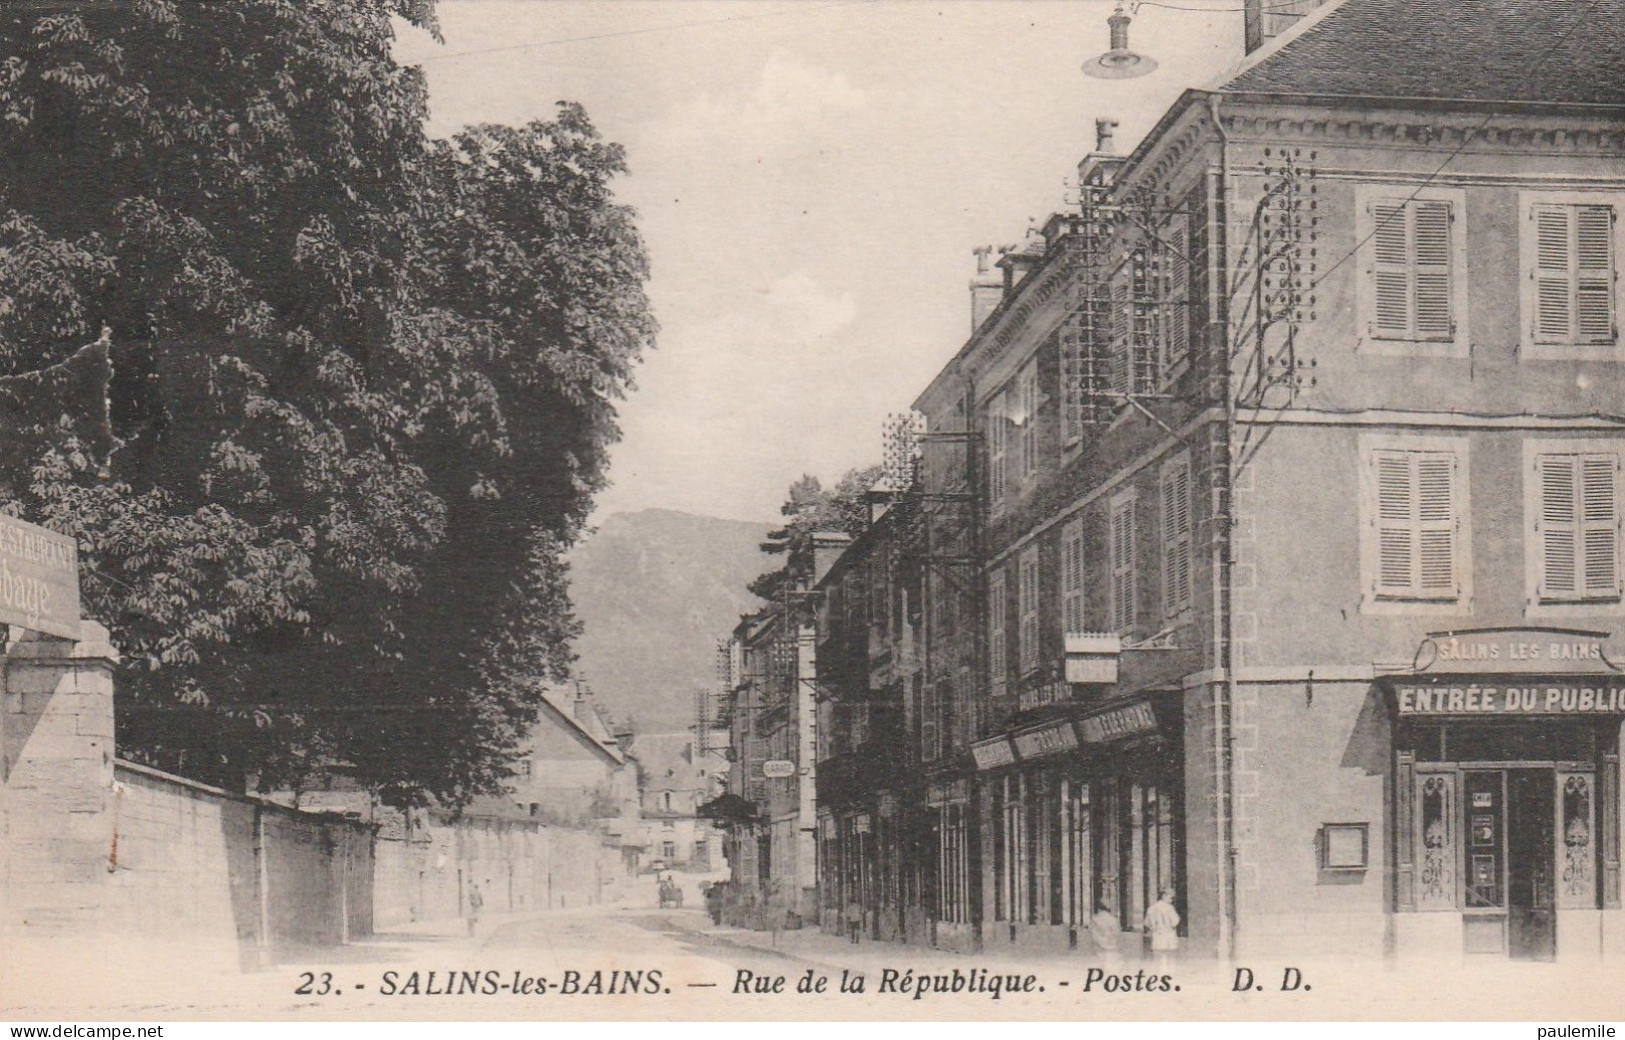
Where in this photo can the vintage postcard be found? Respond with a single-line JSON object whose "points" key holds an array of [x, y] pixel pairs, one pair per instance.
{"points": [[725, 510]]}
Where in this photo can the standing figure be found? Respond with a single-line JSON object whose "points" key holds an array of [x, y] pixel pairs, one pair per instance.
{"points": [[1104, 931], [854, 919], [1162, 921]]}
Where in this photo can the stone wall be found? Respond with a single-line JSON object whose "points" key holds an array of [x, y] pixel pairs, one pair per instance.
{"points": [[188, 861], [425, 869]]}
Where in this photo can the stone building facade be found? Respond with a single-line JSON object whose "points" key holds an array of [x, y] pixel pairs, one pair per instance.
{"points": [[1295, 457]]}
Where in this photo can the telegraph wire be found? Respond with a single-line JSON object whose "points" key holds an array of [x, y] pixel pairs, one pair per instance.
{"points": [[1430, 178], [798, 9]]}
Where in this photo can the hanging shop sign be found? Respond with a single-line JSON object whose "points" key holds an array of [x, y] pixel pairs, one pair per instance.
{"points": [[1601, 696], [1091, 657], [1055, 739], [39, 579], [991, 754], [1513, 650], [778, 768], [1131, 720], [1054, 692]]}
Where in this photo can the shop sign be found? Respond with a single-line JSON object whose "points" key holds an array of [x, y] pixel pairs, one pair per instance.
{"points": [[991, 754], [778, 768], [1128, 721], [39, 579], [1091, 657], [1049, 693], [860, 823], [1502, 650], [1601, 697], [1051, 740]]}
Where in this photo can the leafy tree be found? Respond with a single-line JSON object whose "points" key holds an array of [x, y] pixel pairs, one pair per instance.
{"points": [[812, 509], [362, 383]]}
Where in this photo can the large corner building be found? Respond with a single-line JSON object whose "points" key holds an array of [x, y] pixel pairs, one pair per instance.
{"points": [[1262, 543]]}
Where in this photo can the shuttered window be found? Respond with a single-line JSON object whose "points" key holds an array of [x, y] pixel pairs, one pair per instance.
{"points": [[1573, 274], [1027, 598], [1417, 525], [998, 437], [1122, 324], [1122, 555], [1412, 279], [1176, 538], [1072, 576], [1577, 527], [996, 665], [1027, 414], [1175, 326]]}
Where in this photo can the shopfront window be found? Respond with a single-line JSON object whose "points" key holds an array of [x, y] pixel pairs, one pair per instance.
{"points": [[1502, 822]]}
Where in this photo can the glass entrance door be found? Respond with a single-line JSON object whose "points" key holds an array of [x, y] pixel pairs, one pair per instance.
{"points": [[1531, 910]]}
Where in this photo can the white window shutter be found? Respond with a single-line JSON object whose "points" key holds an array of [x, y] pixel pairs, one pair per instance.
{"points": [[1553, 285], [1396, 533], [1122, 341], [1176, 539], [1600, 524], [1434, 310], [1594, 274], [1436, 525], [1122, 553], [1391, 269], [996, 639], [1558, 528], [1176, 303]]}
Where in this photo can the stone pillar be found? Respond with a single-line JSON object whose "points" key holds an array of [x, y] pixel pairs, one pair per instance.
{"points": [[56, 777]]}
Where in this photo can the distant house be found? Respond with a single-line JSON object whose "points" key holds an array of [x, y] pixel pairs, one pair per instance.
{"points": [[676, 780], [576, 771]]}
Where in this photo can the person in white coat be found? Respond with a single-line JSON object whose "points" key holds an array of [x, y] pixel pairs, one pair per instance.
{"points": [[1162, 922], [1103, 932]]}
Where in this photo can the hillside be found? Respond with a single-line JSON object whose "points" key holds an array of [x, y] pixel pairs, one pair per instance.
{"points": [[654, 591]]}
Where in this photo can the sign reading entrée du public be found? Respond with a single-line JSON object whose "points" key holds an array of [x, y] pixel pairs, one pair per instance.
{"points": [[1601, 696], [39, 579]]}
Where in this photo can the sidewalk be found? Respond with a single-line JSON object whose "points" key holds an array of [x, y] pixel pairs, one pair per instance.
{"points": [[833, 952]]}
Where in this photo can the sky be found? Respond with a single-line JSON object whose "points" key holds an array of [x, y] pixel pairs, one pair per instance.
{"points": [[810, 177]]}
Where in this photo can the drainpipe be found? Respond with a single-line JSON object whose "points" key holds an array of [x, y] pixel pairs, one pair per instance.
{"points": [[1225, 558]]}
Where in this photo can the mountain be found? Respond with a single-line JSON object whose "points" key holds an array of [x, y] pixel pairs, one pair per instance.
{"points": [[655, 590]]}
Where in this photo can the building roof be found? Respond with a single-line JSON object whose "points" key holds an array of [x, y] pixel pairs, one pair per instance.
{"points": [[585, 723], [1528, 51]]}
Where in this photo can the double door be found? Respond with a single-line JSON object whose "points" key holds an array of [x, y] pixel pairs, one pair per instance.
{"points": [[1510, 861], [1512, 849]]}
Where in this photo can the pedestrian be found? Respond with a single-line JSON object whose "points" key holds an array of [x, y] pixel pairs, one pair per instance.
{"points": [[1103, 932], [476, 902], [854, 919], [1162, 921]]}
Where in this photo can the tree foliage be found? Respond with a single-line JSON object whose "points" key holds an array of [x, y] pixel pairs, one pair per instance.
{"points": [[362, 387], [811, 509]]}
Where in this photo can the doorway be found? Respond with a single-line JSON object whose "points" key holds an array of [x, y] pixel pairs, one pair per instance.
{"points": [[1531, 865]]}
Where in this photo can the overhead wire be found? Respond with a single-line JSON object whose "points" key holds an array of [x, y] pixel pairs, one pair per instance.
{"points": [[797, 9]]}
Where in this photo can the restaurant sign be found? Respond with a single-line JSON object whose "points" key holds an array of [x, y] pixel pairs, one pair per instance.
{"points": [[991, 754], [1050, 740], [1602, 696], [39, 579], [1128, 721]]}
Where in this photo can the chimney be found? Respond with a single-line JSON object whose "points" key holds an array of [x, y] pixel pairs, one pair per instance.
{"points": [[827, 548], [1264, 20], [1105, 131], [986, 288]]}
